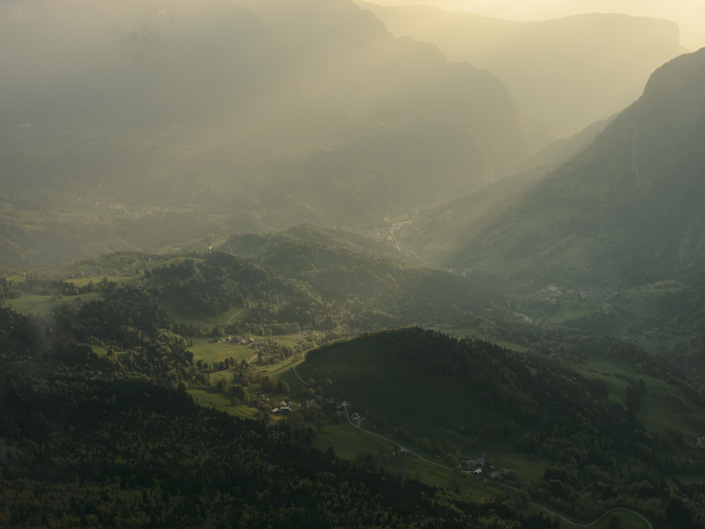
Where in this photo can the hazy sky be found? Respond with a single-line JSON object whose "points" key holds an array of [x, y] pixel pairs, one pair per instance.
{"points": [[689, 14]]}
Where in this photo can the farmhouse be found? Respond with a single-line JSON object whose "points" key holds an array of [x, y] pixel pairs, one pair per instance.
{"points": [[499, 473], [479, 462], [356, 418]]}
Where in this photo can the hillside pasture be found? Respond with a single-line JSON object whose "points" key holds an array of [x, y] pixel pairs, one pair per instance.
{"points": [[374, 380], [44, 304], [657, 411], [211, 353]]}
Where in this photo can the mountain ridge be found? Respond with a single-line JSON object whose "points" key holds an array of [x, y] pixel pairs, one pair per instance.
{"points": [[633, 197], [292, 118], [569, 71]]}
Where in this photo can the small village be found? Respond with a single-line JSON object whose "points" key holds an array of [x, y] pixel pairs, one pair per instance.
{"points": [[479, 467], [236, 340], [317, 403]]}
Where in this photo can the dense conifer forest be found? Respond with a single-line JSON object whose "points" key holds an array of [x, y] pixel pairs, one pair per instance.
{"points": [[88, 442]]}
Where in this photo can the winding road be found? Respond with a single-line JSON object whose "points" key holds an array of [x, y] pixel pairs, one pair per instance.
{"points": [[647, 522], [347, 416]]}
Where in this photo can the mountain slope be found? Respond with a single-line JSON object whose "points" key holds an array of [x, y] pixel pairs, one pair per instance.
{"points": [[365, 292], [99, 443], [563, 149], [568, 72], [629, 207], [287, 112], [437, 232], [467, 397]]}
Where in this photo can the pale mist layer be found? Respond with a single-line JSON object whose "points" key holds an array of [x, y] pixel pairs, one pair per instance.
{"points": [[688, 14]]}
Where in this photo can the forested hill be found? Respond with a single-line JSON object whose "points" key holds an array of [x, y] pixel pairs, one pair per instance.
{"points": [[91, 446], [284, 285], [403, 293], [502, 402], [547, 409], [628, 209]]}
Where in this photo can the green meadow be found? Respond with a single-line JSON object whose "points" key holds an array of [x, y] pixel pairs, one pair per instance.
{"points": [[45, 304], [202, 349], [657, 411]]}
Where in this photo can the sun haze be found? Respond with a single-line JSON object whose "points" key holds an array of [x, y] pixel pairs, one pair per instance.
{"points": [[689, 14]]}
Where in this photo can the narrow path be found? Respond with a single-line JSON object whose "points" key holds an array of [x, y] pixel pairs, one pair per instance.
{"points": [[299, 377], [347, 416], [235, 315], [393, 442], [647, 522]]}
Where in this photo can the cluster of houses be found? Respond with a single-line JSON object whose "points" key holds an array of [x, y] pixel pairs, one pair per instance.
{"points": [[319, 402], [554, 293], [236, 340], [90, 273], [479, 467], [357, 420], [284, 407], [264, 404]]}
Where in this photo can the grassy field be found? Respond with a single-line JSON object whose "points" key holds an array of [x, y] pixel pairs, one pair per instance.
{"points": [[44, 304], [100, 351], [202, 349], [122, 279], [656, 412], [222, 402], [348, 441]]}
